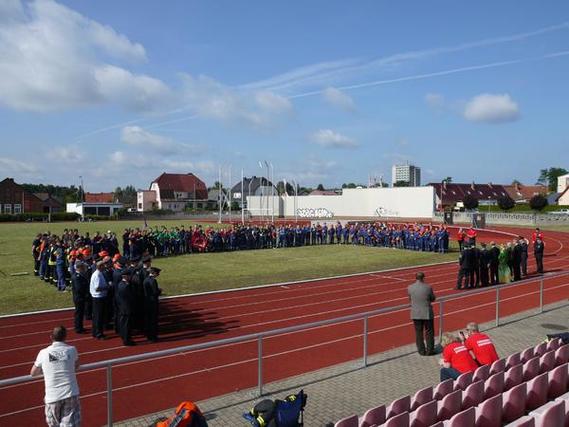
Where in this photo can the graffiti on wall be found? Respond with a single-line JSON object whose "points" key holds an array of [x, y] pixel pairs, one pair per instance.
{"points": [[314, 213]]}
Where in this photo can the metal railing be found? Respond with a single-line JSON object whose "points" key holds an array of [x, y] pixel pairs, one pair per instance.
{"points": [[259, 337]]}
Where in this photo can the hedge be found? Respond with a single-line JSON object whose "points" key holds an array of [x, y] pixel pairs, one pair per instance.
{"points": [[38, 216]]}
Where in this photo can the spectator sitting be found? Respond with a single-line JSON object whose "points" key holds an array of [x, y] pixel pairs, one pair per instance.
{"points": [[456, 358], [480, 345]]}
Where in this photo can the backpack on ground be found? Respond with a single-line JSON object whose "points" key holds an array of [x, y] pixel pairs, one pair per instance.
{"points": [[187, 415], [279, 413]]}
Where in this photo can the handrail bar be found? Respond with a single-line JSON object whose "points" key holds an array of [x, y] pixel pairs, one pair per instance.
{"points": [[274, 332]]}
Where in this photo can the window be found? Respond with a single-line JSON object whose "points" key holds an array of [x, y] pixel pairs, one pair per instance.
{"points": [[140, 206], [7, 208], [17, 208]]}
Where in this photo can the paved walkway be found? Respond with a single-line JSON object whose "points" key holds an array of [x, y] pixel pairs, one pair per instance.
{"points": [[336, 392]]}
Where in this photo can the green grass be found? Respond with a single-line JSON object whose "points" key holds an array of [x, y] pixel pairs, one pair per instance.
{"points": [[192, 273]]}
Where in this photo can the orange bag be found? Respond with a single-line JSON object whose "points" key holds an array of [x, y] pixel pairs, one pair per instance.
{"points": [[187, 415]]}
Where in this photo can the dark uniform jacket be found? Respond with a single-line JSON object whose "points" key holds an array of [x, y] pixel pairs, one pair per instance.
{"points": [[125, 298], [80, 286], [151, 290]]}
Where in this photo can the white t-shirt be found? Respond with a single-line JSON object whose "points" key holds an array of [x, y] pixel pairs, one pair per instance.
{"points": [[58, 365]]}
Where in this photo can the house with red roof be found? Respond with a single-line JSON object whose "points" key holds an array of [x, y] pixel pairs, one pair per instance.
{"points": [[452, 194], [521, 193], [174, 191]]}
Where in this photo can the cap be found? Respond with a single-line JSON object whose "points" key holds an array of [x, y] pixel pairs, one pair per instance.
{"points": [[103, 254], [146, 258], [155, 270], [116, 257], [107, 260], [121, 260], [135, 259], [127, 272]]}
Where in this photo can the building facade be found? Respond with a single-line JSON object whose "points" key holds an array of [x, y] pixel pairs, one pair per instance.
{"points": [[407, 173], [99, 209], [14, 199], [254, 186], [175, 192]]}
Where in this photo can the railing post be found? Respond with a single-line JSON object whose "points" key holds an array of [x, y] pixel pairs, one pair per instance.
{"points": [[497, 306], [441, 323], [260, 365], [109, 395], [541, 295], [365, 342]]}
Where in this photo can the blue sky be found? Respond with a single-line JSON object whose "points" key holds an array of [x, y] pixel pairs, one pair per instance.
{"points": [[327, 91]]}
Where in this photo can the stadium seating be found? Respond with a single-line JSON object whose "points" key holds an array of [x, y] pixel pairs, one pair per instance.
{"points": [[529, 388]]}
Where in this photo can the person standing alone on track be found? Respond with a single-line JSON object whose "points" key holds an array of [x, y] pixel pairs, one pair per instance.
{"points": [[421, 296], [58, 363], [538, 249]]}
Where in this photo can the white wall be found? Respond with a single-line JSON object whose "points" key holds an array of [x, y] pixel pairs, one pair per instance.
{"points": [[403, 202], [562, 183]]}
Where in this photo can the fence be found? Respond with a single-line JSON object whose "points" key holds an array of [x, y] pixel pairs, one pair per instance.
{"points": [[503, 218], [482, 299]]}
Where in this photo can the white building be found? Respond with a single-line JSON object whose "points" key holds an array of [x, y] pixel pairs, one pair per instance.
{"points": [[406, 173], [175, 192], [146, 200], [100, 209], [562, 183]]}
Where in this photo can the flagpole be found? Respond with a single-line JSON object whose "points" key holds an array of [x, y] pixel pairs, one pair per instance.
{"points": [[242, 200]]}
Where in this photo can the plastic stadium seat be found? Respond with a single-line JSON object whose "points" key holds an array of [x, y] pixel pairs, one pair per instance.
{"points": [[481, 373], [523, 422], [463, 381], [531, 368], [540, 349], [424, 416], [489, 412], [373, 416], [449, 405], [473, 395], [494, 385], [536, 392], [401, 420], [442, 389], [498, 366], [547, 362], [558, 381], [513, 360], [513, 376], [562, 354], [526, 355], [554, 344], [550, 415], [398, 406], [466, 418], [351, 421], [514, 403], [421, 397]]}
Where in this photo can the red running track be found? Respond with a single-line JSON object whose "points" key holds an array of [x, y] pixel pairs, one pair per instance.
{"points": [[144, 387]]}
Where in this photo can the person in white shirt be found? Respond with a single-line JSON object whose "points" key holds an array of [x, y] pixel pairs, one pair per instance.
{"points": [[99, 288], [58, 363]]}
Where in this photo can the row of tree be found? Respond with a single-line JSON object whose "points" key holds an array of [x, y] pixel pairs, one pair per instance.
{"points": [[537, 202]]}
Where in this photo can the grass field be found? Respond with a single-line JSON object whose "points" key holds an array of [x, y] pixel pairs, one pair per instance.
{"points": [[192, 273]]}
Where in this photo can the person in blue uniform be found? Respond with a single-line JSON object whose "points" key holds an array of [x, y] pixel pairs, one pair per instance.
{"points": [[152, 293], [125, 301]]}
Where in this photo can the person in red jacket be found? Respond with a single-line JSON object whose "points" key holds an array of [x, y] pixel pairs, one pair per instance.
{"points": [[471, 236], [536, 234], [480, 345], [460, 239], [456, 358]]}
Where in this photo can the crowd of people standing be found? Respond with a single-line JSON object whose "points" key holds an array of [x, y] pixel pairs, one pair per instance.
{"points": [[495, 264]]}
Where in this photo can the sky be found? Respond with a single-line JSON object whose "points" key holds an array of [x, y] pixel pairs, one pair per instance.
{"points": [[326, 91]]}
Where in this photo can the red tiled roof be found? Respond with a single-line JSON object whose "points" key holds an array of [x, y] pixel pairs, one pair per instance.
{"points": [[184, 183], [524, 192], [322, 193], [453, 193], [99, 197]]}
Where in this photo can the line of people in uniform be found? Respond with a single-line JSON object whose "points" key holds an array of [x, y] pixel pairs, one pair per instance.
{"points": [[497, 264], [109, 289]]}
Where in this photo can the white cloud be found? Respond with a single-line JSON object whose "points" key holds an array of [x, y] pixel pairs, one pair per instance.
{"points": [[330, 139], [13, 166], [339, 99], [53, 58], [137, 136], [66, 154], [272, 102], [435, 100], [491, 108]]}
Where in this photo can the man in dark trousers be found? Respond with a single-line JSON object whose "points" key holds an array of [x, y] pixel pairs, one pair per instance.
{"points": [[421, 296], [126, 301], [151, 294], [538, 249], [517, 260], [484, 265], [466, 265], [475, 277], [80, 292], [524, 244], [494, 263]]}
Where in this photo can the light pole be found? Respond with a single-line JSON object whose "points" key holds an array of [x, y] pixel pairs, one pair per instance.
{"points": [[262, 191], [295, 201], [272, 193]]}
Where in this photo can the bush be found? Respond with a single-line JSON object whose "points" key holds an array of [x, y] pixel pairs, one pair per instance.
{"points": [[538, 202], [65, 216], [161, 212], [470, 202], [506, 203]]}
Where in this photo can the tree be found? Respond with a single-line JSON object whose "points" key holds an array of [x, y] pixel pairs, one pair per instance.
{"points": [[349, 185], [538, 202], [320, 187], [448, 180], [401, 184], [470, 202], [506, 203], [282, 190], [516, 182], [549, 177], [216, 185]]}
